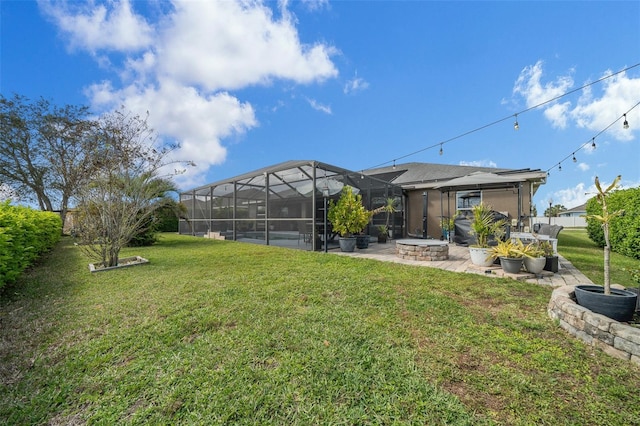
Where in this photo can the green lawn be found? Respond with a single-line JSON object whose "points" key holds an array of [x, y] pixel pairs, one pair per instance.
{"points": [[584, 254], [216, 332]]}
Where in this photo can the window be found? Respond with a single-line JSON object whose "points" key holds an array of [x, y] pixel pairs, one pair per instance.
{"points": [[465, 200]]}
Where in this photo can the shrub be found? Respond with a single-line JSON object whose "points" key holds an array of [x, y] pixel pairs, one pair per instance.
{"points": [[625, 229], [24, 235]]}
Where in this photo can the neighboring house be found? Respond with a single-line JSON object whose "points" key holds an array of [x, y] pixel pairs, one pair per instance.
{"points": [[278, 205], [578, 211]]}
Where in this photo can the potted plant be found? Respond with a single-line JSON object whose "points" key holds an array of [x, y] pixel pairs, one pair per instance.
{"points": [[348, 217], [483, 227], [388, 208], [534, 256], [616, 304], [448, 226], [511, 255], [383, 231]]}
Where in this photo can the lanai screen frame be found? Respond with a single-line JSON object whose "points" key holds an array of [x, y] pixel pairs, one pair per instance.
{"points": [[282, 204]]}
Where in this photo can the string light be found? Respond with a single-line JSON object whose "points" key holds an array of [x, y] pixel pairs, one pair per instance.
{"points": [[441, 151], [394, 164], [626, 123], [559, 167], [593, 143], [574, 158], [516, 126]]}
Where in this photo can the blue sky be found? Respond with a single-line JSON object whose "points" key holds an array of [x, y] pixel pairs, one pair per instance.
{"points": [[357, 84]]}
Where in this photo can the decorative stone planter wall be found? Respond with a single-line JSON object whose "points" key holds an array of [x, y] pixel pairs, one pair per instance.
{"points": [[425, 250], [616, 339]]}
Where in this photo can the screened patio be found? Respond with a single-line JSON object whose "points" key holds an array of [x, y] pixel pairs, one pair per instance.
{"points": [[283, 205]]}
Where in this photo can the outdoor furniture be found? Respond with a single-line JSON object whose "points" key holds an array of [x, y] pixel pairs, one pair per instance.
{"points": [[550, 230], [527, 237]]}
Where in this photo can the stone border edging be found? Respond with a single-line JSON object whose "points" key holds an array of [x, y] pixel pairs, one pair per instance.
{"points": [[614, 338]]}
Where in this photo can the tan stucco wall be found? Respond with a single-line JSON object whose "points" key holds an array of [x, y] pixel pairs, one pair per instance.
{"points": [[502, 200]]}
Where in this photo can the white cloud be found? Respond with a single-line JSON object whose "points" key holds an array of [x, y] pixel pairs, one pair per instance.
{"points": [[571, 197], [181, 66], [529, 86], [229, 45], [95, 27], [619, 94], [479, 163], [356, 84], [583, 167], [319, 107]]}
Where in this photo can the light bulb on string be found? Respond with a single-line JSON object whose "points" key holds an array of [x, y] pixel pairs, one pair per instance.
{"points": [[593, 143], [574, 158], [441, 151], [559, 167], [394, 164], [516, 126], [625, 124]]}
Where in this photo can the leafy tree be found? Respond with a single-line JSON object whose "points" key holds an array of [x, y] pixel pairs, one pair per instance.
{"points": [[45, 150], [555, 211], [126, 188]]}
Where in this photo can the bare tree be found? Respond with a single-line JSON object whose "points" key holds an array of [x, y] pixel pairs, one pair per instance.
{"points": [[126, 188], [44, 150]]}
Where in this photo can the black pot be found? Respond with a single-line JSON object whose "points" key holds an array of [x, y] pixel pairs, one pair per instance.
{"points": [[551, 264], [619, 305], [382, 238], [362, 241]]}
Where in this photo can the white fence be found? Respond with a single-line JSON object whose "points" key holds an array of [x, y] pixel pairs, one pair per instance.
{"points": [[567, 222]]}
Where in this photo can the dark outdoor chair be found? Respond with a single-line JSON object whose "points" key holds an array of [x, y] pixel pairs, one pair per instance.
{"points": [[551, 230]]}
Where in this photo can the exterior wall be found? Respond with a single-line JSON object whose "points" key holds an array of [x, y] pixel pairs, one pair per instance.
{"points": [[444, 204]]}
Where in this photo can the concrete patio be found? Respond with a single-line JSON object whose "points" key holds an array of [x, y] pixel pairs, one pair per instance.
{"points": [[459, 262]]}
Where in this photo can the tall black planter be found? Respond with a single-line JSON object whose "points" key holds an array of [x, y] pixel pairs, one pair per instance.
{"points": [[619, 305], [551, 264]]}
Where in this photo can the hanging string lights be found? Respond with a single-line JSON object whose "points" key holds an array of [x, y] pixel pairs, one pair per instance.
{"points": [[592, 142], [516, 124]]}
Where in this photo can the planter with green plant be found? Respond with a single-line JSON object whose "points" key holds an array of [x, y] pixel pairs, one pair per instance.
{"points": [[484, 227], [614, 303], [348, 217], [389, 208], [534, 257], [511, 255], [448, 227]]}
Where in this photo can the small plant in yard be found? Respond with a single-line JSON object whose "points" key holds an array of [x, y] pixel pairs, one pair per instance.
{"points": [[605, 220]]}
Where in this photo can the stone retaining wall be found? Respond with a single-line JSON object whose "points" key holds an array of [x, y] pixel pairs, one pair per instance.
{"points": [[617, 339], [423, 251]]}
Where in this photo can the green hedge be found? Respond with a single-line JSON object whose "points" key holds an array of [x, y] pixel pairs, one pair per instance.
{"points": [[24, 235], [624, 232]]}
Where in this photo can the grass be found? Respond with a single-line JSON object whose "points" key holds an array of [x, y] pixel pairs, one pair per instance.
{"points": [[584, 254], [216, 332]]}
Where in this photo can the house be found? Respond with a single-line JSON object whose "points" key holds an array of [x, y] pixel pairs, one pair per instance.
{"points": [[284, 204], [438, 191], [578, 211]]}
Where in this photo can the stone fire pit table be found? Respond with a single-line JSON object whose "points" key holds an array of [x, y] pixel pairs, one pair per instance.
{"points": [[425, 250]]}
